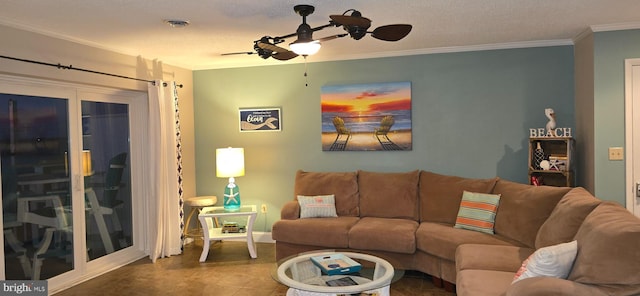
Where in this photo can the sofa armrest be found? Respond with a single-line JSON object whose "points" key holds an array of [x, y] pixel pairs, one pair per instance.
{"points": [[290, 210], [491, 257], [545, 286]]}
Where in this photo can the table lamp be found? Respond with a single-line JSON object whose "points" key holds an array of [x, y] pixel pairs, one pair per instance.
{"points": [[87, 170], [230, 164]]}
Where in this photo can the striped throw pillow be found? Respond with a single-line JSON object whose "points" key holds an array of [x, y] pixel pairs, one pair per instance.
{"points": [[477, 211], [319, 206]]}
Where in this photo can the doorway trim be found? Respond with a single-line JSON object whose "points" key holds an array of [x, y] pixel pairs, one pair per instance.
{"points": [[631, 199]]}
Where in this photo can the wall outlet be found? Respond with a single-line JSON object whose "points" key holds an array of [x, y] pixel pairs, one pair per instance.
{"points": [[263, 209], [616, 153]]}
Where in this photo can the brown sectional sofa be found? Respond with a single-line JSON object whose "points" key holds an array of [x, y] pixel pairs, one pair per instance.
{"points": [[407, 218]]}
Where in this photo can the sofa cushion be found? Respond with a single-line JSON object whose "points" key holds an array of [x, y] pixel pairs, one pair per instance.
{"points": [[322, 232], [565, 219], [553, 261], [440, 195], [477, 211], [319, 206], [384, 234], [491, 257], [523, 209], [472, 282], [442, 240], [608, 253], [389, 195], [343, 185], [546, 286]]}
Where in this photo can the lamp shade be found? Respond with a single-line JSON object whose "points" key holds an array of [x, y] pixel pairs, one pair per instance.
{"points": [[87, 170], [229, 162]]}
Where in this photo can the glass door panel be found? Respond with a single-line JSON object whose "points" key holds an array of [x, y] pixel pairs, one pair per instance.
{"points": [[53, 140], [106, 157], [36, 187]]}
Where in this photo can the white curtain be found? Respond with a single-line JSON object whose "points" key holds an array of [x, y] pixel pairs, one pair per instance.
{"points": [[163, 178]]}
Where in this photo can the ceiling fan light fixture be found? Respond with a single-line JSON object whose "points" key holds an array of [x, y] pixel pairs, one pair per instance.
{"points": [[305, 45], [305, 48]]}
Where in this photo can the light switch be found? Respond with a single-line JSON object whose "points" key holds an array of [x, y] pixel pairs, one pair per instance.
{"points": [[616, 153]]}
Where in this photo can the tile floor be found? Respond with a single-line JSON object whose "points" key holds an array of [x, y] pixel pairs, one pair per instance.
{"points": [[228, 271]]}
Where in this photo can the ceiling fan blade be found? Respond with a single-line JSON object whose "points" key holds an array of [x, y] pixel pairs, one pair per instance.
{"points": [[323, 39], [271, 47], [284, 56], [391, 32], [240, 52], [351, 21]]}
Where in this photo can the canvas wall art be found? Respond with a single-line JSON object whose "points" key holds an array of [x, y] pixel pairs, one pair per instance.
{"points": [[366, 117]]}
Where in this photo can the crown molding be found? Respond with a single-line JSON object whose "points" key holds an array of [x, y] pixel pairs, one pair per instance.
{"points": [[55, 35], [615, 27], [27, 28], [480, 47], [605, 28], [584, 34]]}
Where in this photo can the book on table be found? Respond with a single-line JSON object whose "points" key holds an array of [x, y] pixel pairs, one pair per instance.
{"points": [[335, 264], [343, 281]]}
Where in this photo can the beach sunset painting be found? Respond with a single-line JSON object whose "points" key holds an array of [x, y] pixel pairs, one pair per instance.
{"points": [[366, 117]]}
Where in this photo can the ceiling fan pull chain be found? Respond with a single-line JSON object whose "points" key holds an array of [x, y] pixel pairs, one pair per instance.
{"points": [[306, 78]]}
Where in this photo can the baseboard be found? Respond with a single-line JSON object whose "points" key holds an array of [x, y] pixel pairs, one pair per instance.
{"points": [[263, 237]]}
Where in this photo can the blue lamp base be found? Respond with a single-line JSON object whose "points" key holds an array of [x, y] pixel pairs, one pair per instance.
{"points": [[231, 198]]}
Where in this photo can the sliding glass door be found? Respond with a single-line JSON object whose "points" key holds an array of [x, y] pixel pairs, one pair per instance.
{"points": [[107, 185], [71, 161], [36, 186]]}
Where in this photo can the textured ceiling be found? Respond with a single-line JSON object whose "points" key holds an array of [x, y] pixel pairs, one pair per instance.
{"points": [[136, 27]]}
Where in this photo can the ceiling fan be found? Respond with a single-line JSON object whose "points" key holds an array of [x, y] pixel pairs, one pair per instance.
{"points": [[352, 21]]}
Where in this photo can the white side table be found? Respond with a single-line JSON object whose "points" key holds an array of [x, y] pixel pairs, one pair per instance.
{"points": [[212, 233]]}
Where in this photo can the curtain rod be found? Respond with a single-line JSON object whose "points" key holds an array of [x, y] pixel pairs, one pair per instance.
{"points": [[70, 67]]}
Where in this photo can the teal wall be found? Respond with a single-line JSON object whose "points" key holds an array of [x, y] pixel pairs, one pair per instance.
{"points": [[471, 117], [610, 51]]}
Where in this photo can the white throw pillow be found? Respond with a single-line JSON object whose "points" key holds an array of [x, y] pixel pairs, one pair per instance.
{"points": [[319, 206], [552, 261]]}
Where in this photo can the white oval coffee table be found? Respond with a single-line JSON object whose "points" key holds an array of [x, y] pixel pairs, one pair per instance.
{"points": [[305, 279]]}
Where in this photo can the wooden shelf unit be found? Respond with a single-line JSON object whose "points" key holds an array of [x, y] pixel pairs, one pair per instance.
{"points": [[562, 171]]}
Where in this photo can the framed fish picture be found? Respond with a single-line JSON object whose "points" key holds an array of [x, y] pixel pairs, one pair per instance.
{"points": [[260, 120]]}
